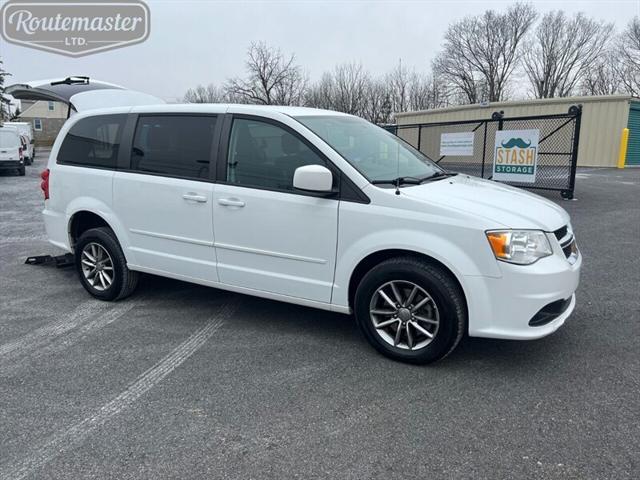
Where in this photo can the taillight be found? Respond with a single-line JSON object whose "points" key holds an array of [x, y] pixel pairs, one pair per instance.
{"points": [[44, 185], [20, 154]]}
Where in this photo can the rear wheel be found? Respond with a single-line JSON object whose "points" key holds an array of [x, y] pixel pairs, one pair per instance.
{"points": [[102, 267], [21, 171], [411, 310]]}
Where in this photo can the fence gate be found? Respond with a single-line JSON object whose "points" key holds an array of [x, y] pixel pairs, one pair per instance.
{"points": [[557, 153]]}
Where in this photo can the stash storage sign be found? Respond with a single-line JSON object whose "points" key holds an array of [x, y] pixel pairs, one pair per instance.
{"points": [[516, 155]]}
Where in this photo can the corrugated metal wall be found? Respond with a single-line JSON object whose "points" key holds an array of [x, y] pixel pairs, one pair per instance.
{"points": [[603, 119]]}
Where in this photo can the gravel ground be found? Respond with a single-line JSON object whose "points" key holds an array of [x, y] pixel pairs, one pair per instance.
{"points": [[182, 381]]}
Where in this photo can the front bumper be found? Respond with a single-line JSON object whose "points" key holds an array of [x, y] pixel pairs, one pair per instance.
{"points": [[503, 307]]}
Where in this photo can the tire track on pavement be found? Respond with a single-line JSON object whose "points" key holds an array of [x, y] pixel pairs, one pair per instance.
{"points": [[60, 443], [40, 336], [56, 343]]}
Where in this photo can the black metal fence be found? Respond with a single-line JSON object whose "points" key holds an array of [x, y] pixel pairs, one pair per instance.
{"points": [[557, 146]]}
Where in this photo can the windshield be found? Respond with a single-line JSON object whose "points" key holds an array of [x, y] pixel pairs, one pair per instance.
{"points": [[374, 152]]}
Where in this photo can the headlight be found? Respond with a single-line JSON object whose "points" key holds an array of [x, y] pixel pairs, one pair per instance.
{"points": [[523, 247]]}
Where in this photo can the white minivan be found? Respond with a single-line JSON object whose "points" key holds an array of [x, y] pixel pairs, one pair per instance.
{"points": [[11, 150], [311, 207]]}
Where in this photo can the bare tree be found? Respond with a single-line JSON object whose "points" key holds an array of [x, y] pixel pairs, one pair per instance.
{"points": [[377, 107], [460, 76], [202, 94], [398, 85], [272, 78], [561, 52], [351, 83], [5, 104], [427, 92], [480, 53], [321, 94], [629, 48], [603, 77]]}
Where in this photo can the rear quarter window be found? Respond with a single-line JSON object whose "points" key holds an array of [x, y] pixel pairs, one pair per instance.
{"points": [[93, 142]]}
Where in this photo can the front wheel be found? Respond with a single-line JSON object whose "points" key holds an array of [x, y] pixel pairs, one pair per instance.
{"points": [[102, 267], [411, 310]]}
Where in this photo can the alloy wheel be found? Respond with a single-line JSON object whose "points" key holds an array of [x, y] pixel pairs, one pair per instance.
{"points": [[404, 315], [97, 266]]}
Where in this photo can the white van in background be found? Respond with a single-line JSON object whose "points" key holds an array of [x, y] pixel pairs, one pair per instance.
{"points": [[11, 154], [25, 129]]}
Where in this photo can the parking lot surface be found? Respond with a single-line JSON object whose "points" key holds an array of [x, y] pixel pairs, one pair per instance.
{"points": [[183, 381]]}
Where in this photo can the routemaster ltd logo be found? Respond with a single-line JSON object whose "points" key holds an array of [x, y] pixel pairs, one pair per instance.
{"points": [[75, 28], [516, 155]]}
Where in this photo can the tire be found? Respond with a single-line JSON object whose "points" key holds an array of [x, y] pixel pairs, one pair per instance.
{"points": [[88, 251], [21, 171], [445, 310]]}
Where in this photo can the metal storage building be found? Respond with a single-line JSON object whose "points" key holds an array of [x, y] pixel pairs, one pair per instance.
{"points": [[603, 119]]}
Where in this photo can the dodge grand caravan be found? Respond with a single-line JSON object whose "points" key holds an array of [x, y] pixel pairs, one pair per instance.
{"points": [[310, 207]]}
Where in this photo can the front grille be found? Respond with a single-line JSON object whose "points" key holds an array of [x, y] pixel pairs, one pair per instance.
{"points": [[561, 232], [567, 243]]}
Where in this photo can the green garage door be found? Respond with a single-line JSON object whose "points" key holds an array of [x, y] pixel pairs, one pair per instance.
{"points": [[633, 150]]}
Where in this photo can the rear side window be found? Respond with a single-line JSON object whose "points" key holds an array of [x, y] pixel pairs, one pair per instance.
{"points": [[174, 145], [93, 142]]}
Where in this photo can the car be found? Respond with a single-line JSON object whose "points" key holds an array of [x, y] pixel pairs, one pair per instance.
{"points": [[24, 140], [25, 129], [310, 207], [24, 145], [11, 153]]}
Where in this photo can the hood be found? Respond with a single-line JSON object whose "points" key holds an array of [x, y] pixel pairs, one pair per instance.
{"points": [[502, 205], [81, 93]]}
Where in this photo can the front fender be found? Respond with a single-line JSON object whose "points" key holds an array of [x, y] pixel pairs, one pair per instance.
{"points": [[456, 242]]}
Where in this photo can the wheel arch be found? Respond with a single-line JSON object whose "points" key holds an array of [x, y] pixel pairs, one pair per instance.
{"points": [[84, 219], [374, 258], [81, 221]]}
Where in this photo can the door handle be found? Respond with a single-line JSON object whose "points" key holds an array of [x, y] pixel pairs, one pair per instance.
{"points": [[231, 202], [194, 197]]}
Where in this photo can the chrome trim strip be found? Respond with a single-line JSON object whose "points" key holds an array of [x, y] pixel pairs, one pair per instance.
{"points": [[566, 240], [172, 237], [269, 253]]}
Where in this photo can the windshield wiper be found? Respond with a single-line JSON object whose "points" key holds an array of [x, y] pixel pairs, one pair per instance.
{"points": [[438, 176], [399, 181]]}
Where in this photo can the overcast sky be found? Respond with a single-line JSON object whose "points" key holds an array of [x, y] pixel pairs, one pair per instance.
{"points": [[204, 41]]}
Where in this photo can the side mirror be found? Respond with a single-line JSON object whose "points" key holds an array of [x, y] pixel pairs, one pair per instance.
{"points": [[313, 178]]}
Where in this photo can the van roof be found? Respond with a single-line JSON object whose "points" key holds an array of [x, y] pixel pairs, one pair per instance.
{"points": [[218, 108]]}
